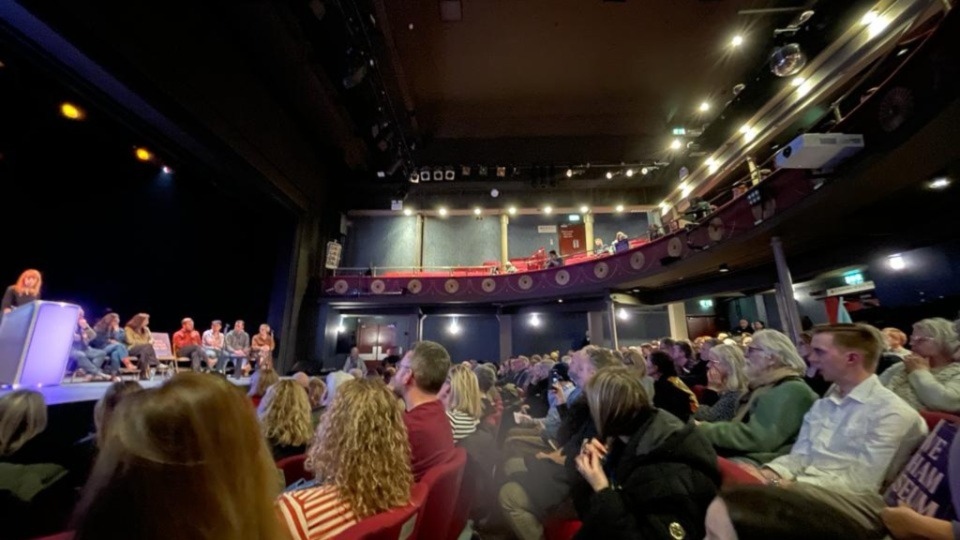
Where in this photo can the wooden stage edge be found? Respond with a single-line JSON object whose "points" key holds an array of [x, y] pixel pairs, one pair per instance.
{"points": [[74, 392]]}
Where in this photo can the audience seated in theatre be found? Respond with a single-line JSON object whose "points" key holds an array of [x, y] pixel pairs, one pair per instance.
{"points": [[538, 485], [860, 432], [139, 341], [89, 359], [771, 413], [187, 343], [110, 339], [812, 376], [535, 402], [186, 461], [36, 494], [24, 291], [654, 477], [669, 392], [728, 378], [635, 359], [353, 361], [742, 328], [316, 391], [334, 380], [491, 402], [261, 381], [929, 378], [460, 395], [85, 450], [420, 375], [896, 342], [363, 471], [237, 346], [762, 512], [262, 347], [904, 523], [554, 259], [621, 242], [285, 419]]}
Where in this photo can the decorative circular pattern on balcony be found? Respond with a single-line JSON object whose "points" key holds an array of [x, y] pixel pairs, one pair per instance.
{"points": [[341, 286], [601, 269], [525, 282], [378, 286], [715, 230], [414, 286], [637, 260], [451, 286], [562, 277], [488, 285], [675, 247]]}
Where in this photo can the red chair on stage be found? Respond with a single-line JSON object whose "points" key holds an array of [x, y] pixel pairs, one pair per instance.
{"points": [[293, 469], [732, 474], [443, 483], [396, 524], [934, 417]]}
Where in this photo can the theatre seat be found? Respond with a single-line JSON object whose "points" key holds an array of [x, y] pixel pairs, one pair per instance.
{"points": [[293, 468], [934, 417], [561, 529], [396, 524], [443, 483], [732, 474]]}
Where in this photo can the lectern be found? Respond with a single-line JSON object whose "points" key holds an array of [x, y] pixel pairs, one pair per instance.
{"points": [[35, 341]]}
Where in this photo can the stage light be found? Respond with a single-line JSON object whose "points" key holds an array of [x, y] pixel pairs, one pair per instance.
{"points": [[454, 327], [644, 171], [449, 174], [896, 262], [71, 111], [724, 268], [787, 60], [535, 320], [143, 154], [437, 175], [940, 183], [414, 177], [166, 170], [623, 314], [569, 173], [494, 193]]}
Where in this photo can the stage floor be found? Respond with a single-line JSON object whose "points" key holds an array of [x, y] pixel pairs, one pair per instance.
{"points": [[91, 391]]}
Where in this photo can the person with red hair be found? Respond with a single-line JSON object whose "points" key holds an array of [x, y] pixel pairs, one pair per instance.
{"points": [[24, 291]]}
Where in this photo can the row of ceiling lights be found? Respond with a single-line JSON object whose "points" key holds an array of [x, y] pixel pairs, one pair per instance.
{"points": [[74, 112], [511, 210]]}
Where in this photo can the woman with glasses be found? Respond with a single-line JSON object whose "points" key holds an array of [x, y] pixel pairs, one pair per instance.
{"points": [[770, 414], [929, 378], [726, 375]]}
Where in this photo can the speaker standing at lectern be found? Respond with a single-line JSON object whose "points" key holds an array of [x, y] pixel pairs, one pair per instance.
{"points": [[24, 291]]}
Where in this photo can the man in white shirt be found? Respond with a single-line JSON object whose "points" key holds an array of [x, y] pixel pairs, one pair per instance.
{"points": [[354, 361], [859, 431]]}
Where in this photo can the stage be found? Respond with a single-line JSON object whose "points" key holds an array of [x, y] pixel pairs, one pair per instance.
{"points": [[76, 392]]}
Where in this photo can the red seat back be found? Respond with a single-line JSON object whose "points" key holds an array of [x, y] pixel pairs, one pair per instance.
{"points": [[293, 468], [397, 524], [934, 417], [59, 536], [732, 474], [443, 482], [561, 529]]}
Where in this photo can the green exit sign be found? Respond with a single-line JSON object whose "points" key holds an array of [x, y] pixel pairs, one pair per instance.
{"points": [[855, 278]]}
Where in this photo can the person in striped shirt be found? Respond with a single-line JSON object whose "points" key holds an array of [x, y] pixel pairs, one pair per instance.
{"points": [[362, 471], [460, 395]]}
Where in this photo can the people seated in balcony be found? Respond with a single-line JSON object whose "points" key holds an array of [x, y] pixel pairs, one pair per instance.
{"points": [[554, 259], [262, 346], [621, 242], [511, 269], [110, 338], [759, 325], [652, 476], [771, 413], [929, 378], [187, 343], [600, 249], [24, 291], [655, 230], [89, 359], [727, 377], [140, 343]]}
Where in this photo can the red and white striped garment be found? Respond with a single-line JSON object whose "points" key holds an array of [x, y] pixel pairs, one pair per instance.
{"points": [[315, 513]]}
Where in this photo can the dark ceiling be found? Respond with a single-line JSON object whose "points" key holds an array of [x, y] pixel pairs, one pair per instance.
{"points": [[368, 86]]}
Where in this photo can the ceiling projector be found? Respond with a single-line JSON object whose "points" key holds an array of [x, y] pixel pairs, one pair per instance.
{"points": [[818, 151]]}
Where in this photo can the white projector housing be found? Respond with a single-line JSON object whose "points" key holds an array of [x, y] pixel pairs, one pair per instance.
{"points": [[818, 150]]}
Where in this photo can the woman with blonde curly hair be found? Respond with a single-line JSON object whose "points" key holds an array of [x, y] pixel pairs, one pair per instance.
{"points": [[460, 395], [353, 486], [183, 461], [24, 291], [929, 377], [285, 419]]}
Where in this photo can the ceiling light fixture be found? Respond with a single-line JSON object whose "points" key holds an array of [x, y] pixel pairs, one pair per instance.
{"points": [[787, 60], [704, 107], [724, 268], [71, 111], [736, 41], [442, 212], [548, 210], [569, 173], [512, 210], [896, 262], [629, 173], [619, 208], [584, 209], [143, 154], [644, 171], [166, 170], [676, 144], [940, 183], [407, 212]]}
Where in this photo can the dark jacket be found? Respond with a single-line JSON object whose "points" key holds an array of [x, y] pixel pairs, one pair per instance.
{"points": [[662, 481]]}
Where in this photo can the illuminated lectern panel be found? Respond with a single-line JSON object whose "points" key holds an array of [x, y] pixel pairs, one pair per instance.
{"points": [[35, 341]]}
